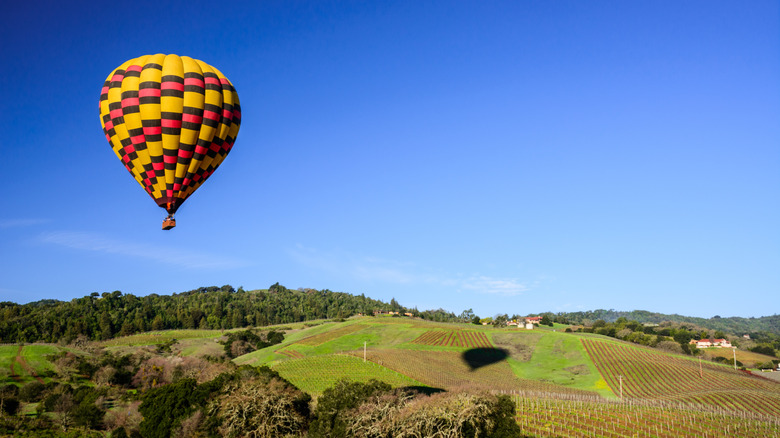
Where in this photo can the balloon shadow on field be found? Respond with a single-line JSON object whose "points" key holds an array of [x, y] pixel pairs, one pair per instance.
{"points": [[480, 357], [427, 390]]}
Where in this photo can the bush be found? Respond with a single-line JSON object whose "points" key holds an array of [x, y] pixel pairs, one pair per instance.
{"points": [[161, 407], [8, 399], [330, 417], [31, 392], [263, 409], [444, 414], [763, 349]]}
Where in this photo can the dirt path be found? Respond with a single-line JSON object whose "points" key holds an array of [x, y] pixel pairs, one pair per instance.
{"points": [[20, 360], [13, 373]]}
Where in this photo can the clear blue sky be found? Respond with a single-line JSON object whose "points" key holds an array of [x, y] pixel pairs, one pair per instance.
{"points": [[510, 157]]}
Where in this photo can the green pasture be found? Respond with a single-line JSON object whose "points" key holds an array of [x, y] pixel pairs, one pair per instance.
{"points": [[561, 359], [35, 357], [317, 373], [160, 337], [7, 355]]}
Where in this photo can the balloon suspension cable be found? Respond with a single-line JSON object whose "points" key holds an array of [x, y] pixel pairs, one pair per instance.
{"points": [[169, 222]]}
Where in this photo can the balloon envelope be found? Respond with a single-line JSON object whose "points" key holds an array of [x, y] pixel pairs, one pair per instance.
{"points": [[171, 120]]}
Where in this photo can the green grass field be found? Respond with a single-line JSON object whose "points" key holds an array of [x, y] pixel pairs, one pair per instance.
{"points": [[7, 355], [34, 357], [561, 359], [160, 337]]}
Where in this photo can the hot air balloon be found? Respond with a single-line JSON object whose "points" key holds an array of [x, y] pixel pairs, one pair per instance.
{"points": [[171, 120]]}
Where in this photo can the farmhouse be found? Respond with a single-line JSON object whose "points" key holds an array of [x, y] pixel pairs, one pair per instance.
{"points": [[533, 319], [707, 343]]}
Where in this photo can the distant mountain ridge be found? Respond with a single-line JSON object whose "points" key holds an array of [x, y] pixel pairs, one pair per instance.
{"points": [[733, 324]]}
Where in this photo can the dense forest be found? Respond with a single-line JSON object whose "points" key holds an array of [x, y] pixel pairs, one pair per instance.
{"points": [[111, 314]]}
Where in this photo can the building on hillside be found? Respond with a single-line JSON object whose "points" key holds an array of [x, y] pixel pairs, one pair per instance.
{"points": [[512, 323], [529, 326], [746, 336], [533, 319], [707, 343]]}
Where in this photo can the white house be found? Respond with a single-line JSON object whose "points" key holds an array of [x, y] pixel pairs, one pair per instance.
{"points": [[707, 343]]}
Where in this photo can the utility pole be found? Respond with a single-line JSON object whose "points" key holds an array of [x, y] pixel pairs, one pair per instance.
{"points": [[734, 350], [701, 373], [364, 351]]}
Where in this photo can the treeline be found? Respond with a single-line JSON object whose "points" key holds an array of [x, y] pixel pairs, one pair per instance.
{"points": [[669, 336], [108, 315], [734, 324]]}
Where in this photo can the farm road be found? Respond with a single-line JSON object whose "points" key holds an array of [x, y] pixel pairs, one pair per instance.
{"points": [[20, 360]]}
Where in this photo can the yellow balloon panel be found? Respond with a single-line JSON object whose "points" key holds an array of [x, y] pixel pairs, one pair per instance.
{"points": [[171, 121]]}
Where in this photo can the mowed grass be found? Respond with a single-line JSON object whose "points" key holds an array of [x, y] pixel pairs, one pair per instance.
{"points": [[315, 374], [450, 370], [561, 359], [199, 347], [160, 337], [35, 357], [7, 355]]}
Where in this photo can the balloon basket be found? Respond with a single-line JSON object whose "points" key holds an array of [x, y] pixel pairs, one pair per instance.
{"points": [[168, 223]]}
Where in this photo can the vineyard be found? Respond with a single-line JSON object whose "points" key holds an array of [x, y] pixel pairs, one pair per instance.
{"points": [[448, 370], [453, 338], [574, 418], [330, 335], [647, 374], [315, 374], [290, 353]]}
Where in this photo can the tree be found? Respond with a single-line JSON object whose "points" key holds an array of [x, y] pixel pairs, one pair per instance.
{"points": [[106, 331], [546, 320], [500, 320], [331, 415], [162, 408], [467, 315], [263, 409]]}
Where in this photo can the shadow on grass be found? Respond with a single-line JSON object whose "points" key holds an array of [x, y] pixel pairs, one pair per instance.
{"points": [[480, 357]]}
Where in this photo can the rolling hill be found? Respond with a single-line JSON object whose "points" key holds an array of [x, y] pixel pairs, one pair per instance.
{"points": [[564, 384]]}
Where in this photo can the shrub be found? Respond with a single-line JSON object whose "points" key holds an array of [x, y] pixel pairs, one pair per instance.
{"points": [[31, 392], [260, 408], [330, 417], [446, 414]]}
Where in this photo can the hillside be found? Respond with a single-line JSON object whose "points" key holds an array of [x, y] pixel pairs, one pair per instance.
{"points": [[563, 384], [108, 315]]}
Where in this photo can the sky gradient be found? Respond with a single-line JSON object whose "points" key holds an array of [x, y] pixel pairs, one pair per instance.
{"points": [[509, 157]]}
